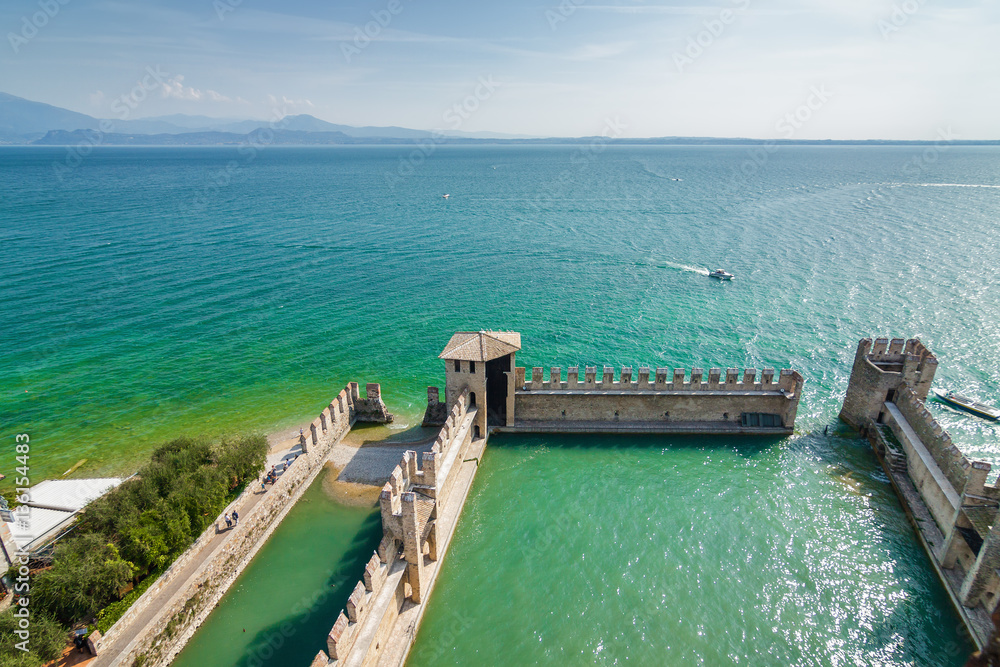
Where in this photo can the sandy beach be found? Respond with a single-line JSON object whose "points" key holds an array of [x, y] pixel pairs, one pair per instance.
{"points": [[361, 463]]}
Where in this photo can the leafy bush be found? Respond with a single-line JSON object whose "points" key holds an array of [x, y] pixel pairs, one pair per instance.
{"points": [[242, 458], [87, 573], [144, 524], [46, 641], [154, 538], [110, 614]]}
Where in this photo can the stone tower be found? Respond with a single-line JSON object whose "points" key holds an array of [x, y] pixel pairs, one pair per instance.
{"points": [[482, 361], [879, 370]]}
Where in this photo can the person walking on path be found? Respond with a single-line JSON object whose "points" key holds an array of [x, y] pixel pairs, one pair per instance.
{"points": [[229, 522], [236, 518]]}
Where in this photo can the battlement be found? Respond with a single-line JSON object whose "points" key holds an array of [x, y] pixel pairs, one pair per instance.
{"points": [[880, 368], [409, 504], [955, 466], [951, 505], [654, 400], [658, 379], [427, 474]]}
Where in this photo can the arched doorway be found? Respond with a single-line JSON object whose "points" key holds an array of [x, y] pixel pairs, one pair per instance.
{"points": [[472, 399]]}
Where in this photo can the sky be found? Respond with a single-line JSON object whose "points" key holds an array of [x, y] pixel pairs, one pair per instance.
{"points": [[800, 69]]}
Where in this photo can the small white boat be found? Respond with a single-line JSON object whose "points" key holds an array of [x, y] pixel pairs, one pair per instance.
{"points": [[445, 196], [720, 274]]}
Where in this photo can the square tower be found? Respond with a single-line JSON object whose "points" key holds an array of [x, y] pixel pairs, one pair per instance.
{"points": [[483, 362]]}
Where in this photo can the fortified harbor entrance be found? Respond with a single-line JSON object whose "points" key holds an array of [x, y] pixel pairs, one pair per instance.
{"points": [[485, 392]]}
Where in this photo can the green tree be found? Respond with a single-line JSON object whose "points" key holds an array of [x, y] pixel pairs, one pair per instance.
{"points": [[46, 641], [153, 539], [202, 494], [86, 574], [242, 458]]}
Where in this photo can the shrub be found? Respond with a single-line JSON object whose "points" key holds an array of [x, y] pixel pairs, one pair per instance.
{"points": [[154, 538], [87, 572], [242, 458], [144, 524], [110, 614], [47, 640]]}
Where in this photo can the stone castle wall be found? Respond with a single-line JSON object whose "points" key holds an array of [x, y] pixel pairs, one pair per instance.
{"points": [[881, 366], [160, 641], [948, 457], [394, 577], [713, 401], [890, 381]]}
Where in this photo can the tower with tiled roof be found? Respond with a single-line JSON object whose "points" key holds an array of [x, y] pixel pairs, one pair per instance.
{"points": [[483, 362]]}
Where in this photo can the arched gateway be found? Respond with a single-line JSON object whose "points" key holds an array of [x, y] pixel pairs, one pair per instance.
{"points": [[483, 362]]}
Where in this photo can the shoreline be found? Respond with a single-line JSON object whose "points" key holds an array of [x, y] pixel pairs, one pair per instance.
{"points": [[359, 465]]}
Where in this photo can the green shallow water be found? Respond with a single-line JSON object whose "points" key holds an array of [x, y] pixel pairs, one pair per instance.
{"points": [[698, 551], [279, 609]]}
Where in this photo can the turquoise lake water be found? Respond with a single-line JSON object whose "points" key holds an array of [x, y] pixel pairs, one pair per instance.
{"points": [[154, 292], [277, 612]]}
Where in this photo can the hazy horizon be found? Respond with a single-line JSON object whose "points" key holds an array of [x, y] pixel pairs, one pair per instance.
{"points": [[849, 70]]}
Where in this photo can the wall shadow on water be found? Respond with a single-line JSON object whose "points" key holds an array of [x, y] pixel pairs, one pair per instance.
{"points": [[749, 446], [297, 639]]}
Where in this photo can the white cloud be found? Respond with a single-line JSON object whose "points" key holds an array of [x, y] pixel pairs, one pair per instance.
{"points": [[175, 88], [287, 105], [599, 51]]}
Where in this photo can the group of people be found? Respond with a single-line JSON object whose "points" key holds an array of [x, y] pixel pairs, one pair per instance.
{"points": [[272, 476]]}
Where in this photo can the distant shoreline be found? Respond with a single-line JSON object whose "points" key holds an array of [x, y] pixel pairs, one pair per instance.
{"points": [[292, 138]]}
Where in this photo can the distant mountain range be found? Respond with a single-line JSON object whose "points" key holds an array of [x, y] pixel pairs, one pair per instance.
{"points": [[26, 122]]}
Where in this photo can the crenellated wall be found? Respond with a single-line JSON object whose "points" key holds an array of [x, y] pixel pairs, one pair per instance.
{"points": [[160, 639], [437, 410], [952, 508], [880, 367], [656, 400], [948, 457], [398, 575], [422, 498]]}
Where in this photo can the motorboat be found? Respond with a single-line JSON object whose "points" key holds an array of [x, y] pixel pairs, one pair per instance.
{"points": [[721, 275], [969, 405]]}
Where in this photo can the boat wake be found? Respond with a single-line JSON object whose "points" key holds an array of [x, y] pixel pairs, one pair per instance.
{"points": [[687, 267], [947, 185]]}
